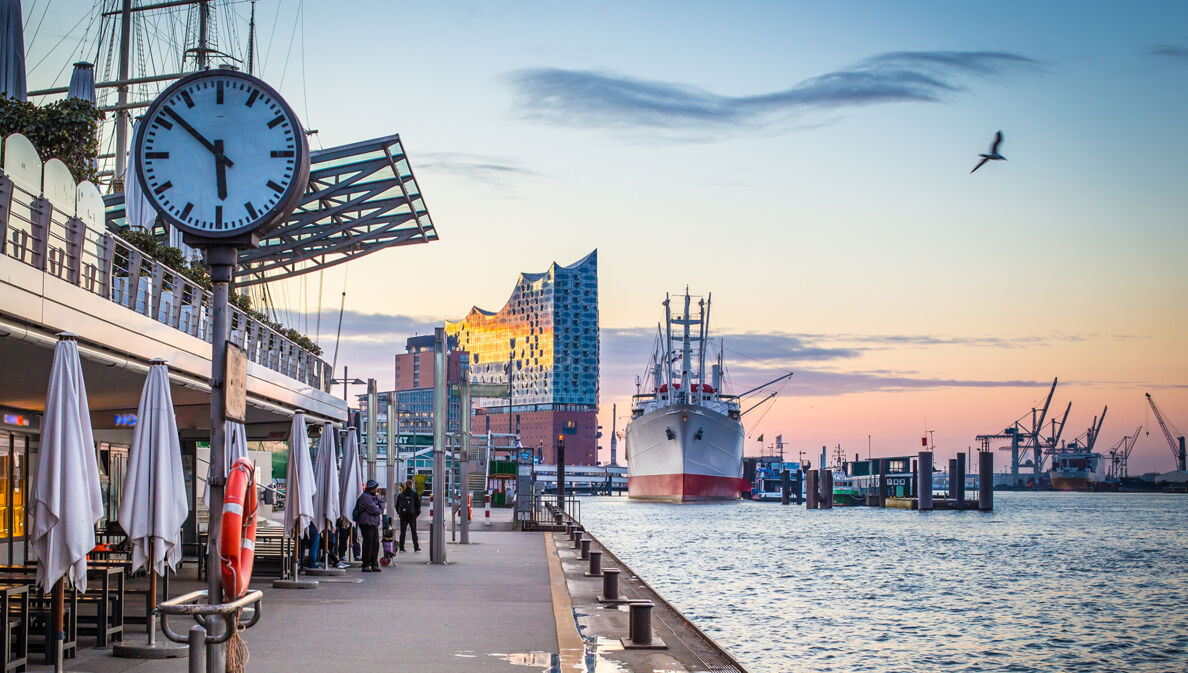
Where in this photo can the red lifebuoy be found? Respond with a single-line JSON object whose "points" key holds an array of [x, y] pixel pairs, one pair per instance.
{"points": [[237, 532]]}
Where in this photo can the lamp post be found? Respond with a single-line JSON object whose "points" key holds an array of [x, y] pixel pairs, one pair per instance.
{"points": [[437, 555], [346, 380]]}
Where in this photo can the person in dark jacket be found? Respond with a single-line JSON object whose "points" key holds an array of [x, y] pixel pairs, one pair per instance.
{"points": [[370, 509], [408, 507]]}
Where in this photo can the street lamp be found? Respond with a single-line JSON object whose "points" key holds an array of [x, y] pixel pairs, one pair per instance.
{"points": [[346, 380]]}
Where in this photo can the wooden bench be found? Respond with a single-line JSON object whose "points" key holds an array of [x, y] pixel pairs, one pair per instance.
{"points": [[14, 637]]}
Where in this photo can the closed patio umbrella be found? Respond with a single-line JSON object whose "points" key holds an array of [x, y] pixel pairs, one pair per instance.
{"points": [[154, 504], [350, 481], [299, 484], [65, 496], [236, 448], [326, 505], [82, 82], [12, 50]]}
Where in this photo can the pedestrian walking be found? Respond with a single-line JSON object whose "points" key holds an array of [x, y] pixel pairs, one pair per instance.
{"points": [[408, 508], [368, 515]]}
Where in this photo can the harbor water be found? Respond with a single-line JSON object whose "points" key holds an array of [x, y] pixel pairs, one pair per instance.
{"points": [[1045, 582]]}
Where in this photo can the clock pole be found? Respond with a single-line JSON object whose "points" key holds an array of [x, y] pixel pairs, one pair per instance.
{"points": [[222, 259]]}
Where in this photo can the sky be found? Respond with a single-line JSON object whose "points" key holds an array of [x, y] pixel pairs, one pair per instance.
{"points": [[807, 163]]}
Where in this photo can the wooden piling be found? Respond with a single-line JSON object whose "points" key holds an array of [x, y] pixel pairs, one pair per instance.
{"points": [[985, 481], [810, 490], [960, 490], [924, 490], [882, 482], [826, 480]]}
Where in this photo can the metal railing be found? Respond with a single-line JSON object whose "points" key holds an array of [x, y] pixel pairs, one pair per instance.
{"points": [[34, 231], [539, 511]]}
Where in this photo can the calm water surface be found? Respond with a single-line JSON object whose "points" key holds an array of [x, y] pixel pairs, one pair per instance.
{"points": [[1046, 582]]}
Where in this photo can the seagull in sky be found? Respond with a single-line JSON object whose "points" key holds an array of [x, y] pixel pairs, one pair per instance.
{"points": [[994, 155]]}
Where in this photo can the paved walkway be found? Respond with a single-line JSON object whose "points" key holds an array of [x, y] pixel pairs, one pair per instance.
{"points": [[490, 609]]}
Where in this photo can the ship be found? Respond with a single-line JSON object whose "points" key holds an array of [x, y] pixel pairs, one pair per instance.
{"points": [[684, 441], [1074, 465]]}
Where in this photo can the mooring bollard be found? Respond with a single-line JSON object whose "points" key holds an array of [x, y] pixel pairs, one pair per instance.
{"points": [[585, 542], [810, 490], [924, 490], [595, 563], [557, 517], [640, 626], [960, 492], [577, 539], [197, 646], [826, 501], [610, 586], [985, 481]]}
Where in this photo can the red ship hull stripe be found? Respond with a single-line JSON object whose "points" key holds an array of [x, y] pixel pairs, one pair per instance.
{"points": [[683, 487]]}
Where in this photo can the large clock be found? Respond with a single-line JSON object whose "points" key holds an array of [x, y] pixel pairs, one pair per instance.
{"points": [[221, 155]]}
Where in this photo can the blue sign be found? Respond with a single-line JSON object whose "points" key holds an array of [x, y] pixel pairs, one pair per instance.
{"points": [[125, 420]]}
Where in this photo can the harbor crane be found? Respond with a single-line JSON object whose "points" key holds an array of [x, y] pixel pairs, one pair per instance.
{"points": [[1175, 438], [1028, 442], [1119, 454]]}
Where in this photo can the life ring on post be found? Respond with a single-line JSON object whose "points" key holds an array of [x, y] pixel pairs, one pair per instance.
{"points": [[237, 532]]}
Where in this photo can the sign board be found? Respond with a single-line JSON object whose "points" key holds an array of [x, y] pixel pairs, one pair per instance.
{"points": [[235, 383]]}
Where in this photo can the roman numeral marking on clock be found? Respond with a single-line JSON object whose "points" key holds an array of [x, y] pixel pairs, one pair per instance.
{"points": [[278, 154], [275, 121], [275, 187], [156, 155], [252, 98], [189, 101], [219, 217], [251, 209], [186, 211], [164, 187], [219, 92]]}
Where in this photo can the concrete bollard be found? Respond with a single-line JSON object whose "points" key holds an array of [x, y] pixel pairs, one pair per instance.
{"points": [[585, 542], [826, 478], [810, 501], [924, 490], [610, 586], [985, 481], [595, 563]]}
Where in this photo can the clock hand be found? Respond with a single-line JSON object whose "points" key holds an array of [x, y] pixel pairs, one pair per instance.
{"points": [[221, 164], [194, 132]]}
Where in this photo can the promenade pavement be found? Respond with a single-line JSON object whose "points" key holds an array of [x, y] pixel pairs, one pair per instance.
{"points": [[490, 610]]}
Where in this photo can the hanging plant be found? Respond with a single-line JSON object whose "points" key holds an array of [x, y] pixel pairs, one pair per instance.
{"points": [[67, 130]]}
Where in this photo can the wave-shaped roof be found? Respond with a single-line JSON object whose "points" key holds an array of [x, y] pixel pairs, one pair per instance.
{"points": [[525, 278]]}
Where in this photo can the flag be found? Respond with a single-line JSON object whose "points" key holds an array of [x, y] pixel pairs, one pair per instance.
{"points": [[760, 439], [923, 441]]}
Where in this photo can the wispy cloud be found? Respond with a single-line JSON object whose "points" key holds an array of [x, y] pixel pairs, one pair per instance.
{"points": [[490, 170], [586, 97], [1169, 51]]}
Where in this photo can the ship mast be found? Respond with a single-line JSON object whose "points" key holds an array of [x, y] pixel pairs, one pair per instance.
{"points": [[667, 343], [686, 354], [704, 304]]}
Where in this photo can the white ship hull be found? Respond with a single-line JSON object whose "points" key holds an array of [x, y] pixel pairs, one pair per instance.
{"points": [[684, 452]]}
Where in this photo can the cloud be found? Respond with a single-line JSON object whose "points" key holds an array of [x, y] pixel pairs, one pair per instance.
{"points": [[593, 98], [479, 168], [1168, 51]]}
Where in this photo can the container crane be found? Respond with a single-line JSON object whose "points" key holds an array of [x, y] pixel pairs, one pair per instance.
{"points": [[1175, 438], [1120, 456]]}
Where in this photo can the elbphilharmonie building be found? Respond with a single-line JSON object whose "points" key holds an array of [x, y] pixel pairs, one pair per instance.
{"points": [[546, 340]]}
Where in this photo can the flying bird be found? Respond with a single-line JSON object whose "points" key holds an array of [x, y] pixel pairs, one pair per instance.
{"points": [[994, 155]]}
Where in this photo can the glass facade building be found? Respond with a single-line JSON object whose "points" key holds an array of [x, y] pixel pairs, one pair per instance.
{"points": [[546, 339]]}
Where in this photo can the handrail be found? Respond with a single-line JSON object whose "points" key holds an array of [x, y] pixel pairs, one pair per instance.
{"points": [[50, 238], [186, 605]]}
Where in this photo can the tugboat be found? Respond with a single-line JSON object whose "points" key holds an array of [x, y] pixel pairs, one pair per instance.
{"points": [[685, 438]]}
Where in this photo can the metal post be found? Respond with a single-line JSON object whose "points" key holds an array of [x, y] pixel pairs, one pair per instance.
{"points": [[437, 553], [561, 472], [785, 487], [391, 481], [464, 466], [924, 490], [952, 490], [197, 649], [222, 268], [810, 490], [372, 428], [882, 482], [203, 22], [826, 482]]}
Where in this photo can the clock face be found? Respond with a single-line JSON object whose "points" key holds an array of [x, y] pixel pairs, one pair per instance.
{"points": [[221, 154]]}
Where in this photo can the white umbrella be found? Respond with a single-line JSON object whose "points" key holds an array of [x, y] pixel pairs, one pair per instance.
{"points": [[299, 480], [350, 482], [65, 497], [234, 448], [154, 504], [326, 505], [12, 50]]}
